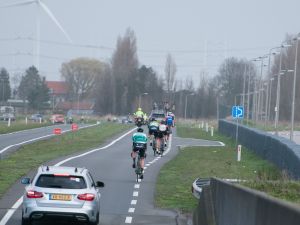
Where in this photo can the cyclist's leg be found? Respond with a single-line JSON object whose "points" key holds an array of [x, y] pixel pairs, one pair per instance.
{"points": [[133, 156]]}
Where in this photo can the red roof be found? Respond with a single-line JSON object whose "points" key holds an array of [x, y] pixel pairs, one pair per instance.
{"points": [[75, 105], [58, 87]]}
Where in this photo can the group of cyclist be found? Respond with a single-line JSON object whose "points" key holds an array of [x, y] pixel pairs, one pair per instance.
{"points": [[158, 136]]}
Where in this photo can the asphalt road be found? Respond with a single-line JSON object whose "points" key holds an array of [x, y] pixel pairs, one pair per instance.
{"points": [[123, 200], [9, 142]]}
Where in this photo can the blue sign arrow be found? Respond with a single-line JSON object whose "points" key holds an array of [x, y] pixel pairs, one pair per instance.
{"points": [[237, 112]]}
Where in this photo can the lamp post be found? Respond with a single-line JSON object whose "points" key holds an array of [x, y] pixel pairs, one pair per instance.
{"points": [[269, 86], [277, 107], [278, 90], [269, 99], [294, 90], [186, 104], [140, 98]]}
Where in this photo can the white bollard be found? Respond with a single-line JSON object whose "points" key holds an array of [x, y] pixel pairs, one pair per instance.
{"points": [[40, 120], [239, 153], [199, 126], [8, 124], [202, 125], [212, 131], [26, 120], [206, 127]]}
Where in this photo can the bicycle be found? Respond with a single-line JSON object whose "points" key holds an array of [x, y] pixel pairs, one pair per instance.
{"points": [[138, 169], [154, 146]]}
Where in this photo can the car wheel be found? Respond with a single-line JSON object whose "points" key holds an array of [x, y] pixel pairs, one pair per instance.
{"points": [[26, 221], [97, 221]]}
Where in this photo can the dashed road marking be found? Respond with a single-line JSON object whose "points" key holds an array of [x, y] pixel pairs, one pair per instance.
{"points": [[137, 186], [133, 202], [135, 194], [131, 210], [128, 219]]}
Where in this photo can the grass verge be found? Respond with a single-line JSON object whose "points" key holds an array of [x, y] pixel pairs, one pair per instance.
{"points": [[18, 126], [33, 155], [220, 162]]}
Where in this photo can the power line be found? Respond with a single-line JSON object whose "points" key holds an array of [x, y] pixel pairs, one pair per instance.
{"points": [[159, 51]]}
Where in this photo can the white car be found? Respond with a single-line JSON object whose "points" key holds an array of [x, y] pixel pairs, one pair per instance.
{"points": [[61, 193]]}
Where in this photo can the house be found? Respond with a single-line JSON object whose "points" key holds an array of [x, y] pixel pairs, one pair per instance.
{"points": [[58, 91]]}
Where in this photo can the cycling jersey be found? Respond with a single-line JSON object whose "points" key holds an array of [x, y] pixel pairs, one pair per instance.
{"points": [[139, 138], [169, 120], [139, 114]]}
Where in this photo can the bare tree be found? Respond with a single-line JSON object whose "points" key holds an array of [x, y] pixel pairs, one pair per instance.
{"points": [[170, 72], [124, 64], [80, 75]]}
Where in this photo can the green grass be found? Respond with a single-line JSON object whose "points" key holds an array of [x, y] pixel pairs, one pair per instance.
{"points": [[33, 155], [220, 162], [19, 125]]}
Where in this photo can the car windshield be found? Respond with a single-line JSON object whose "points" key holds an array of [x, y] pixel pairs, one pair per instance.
{"points": [[60, 181], [156, 115]]}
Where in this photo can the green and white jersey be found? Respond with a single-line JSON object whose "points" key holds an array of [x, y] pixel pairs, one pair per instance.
{"points": [[139, 138]]}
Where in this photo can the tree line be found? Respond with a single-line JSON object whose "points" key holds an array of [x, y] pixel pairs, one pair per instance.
{"points": [[119, 86]]}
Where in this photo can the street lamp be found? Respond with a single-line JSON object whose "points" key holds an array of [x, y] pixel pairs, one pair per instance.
{"points": [[186, 104], [277, 107], [278, 90], [268, 98], [140, 98], [294, 90]]}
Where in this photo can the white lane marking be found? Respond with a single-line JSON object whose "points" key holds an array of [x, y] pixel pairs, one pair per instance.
{"points": [[133, 202], [95, 150], [135, 194], [136, 186], [38, 138], [145, 167], [131, 210], [148, 164], [11, 211], [128, 219]]}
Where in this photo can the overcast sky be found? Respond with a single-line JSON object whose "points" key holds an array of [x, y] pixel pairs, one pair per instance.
{"points": [[198, 33]]}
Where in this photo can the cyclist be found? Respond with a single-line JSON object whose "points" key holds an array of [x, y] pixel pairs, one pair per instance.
{"points": [[160, 135], [173, 117], [139, 114], [153, 128], [145, 117], [169, 122], [139, 138]]}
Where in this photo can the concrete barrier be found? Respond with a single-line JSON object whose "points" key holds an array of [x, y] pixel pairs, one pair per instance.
{"points": [[223, 203], [284, 153]]}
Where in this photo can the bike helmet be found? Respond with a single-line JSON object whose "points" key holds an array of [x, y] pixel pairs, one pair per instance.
{"points": [[139, 109], [140, 130]]}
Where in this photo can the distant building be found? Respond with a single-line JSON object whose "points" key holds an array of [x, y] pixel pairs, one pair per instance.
{"points": [[58, 92], [76, 108]]}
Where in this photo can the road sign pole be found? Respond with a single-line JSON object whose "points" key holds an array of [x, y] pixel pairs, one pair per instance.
{"points": [[237, 132]]}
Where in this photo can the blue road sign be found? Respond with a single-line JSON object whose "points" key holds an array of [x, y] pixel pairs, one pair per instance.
{"points": [[237, 112]]}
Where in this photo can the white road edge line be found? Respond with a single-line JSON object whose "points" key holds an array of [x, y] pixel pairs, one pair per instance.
{"points": [[128, 219], [11, 211]]}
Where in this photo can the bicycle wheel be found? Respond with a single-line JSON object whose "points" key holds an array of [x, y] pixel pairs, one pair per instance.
{"points": [[138, 168]]}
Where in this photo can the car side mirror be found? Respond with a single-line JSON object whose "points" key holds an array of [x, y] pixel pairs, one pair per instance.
{"points": [[99, 184], [25, 180]]}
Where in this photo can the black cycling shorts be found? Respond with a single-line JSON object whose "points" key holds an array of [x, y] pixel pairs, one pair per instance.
{"points": [[140, 150]]}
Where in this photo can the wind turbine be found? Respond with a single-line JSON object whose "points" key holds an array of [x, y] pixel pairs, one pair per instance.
{"points": [[39, 5]]}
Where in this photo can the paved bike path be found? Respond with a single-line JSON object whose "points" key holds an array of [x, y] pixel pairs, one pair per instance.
{"points": [[123, 200]]}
